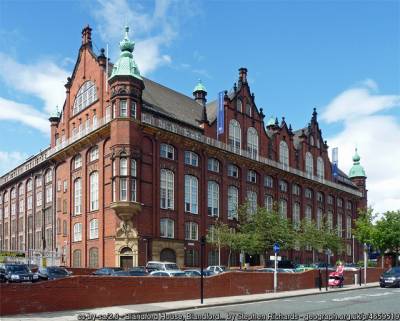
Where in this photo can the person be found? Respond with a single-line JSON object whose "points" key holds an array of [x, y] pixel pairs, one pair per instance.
{"points": [[340, 272]]}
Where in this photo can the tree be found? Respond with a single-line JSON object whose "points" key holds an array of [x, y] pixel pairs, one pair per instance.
{"points": [[365, 230], [387, 233], [309, 236]]}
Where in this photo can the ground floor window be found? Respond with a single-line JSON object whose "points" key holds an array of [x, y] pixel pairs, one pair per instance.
{"points": [[191, 257], [213, 257], [76, 258], [168, 255], [94, 257]]}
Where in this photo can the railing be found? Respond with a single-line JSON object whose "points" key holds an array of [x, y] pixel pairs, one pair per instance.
{"points": [[189, 133], [47, 153]]}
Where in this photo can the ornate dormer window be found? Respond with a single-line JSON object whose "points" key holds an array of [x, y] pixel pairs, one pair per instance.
{"points": [[248, 109], [239, 105], [86, 95]]}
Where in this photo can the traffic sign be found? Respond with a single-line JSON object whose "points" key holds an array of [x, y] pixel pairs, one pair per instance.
{"points": [[276, 248], [272, 258]]}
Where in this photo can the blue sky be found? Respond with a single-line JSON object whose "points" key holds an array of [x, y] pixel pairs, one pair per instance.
{"points": [[341, 57]]}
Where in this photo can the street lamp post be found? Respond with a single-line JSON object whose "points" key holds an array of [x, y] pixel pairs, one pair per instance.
{"points": [[202, 246]]}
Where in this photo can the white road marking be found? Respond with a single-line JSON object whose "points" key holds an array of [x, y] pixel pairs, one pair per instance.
{"points": [[347, 298], [380, 294]]}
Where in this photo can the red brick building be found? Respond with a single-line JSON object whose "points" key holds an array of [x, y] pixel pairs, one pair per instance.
{"points": [[135, 171]]}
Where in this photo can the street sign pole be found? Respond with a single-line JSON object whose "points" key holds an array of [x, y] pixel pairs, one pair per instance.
{"points": [[276, 251], [365, 263]]}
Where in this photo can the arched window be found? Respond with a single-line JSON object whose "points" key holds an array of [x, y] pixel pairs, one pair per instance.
{"points": [[76, 258], [283, 208], [65, 228], [167, 228], [268, 202], [191, 231], [320, 167], [77, 161], [235, 135], [48, 176], [339, 225], [213, 198], [319, 218], [309, 164], [308, 213], [94, 154], [252, 202], [296, 215], [330, 220], [252, 142], [191, 158], [213, 165], [233, 201], [167, 189], [191, 194], [123, 166], [94, 191], [78, 196], [133, 180], [86, 95], [29, 185], [239, 105], [77, 232], [167, 151], [94, 229], [21, 189], [284, 153], [93, 257]]}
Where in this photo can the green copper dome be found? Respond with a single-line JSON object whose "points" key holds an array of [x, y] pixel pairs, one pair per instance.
{"points": [[271, 121], [126, 65], [199, 87], [357, 170]]}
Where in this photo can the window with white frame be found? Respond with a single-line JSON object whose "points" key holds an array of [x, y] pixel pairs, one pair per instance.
{"points": [[94, 191], [65, 186], [213, 165], [94, 229], [48, 177], [29, 186], [39, 198], [339, 225], [308, 193], [319, 218], [38, 181], [133, 109], [213, 198], [308, 213], [252, 202], [309, 164], [330, 200], [167, 151], [86, 95], [283, 186], [348, 227], [21, 206], [133, 180], [123, 189], [191, 158], [167, 228], [49, 194], [123, 166], [13, 209], [94, 153], [239, 105], [348, 205], [233, 202], [29, 202], [296, 215], [235, 135], [339, 202], [123, 108], [13, 193], [233, 171], [251, 176], [191, 231], [191, 194], [21, 189], [77, 232], [320, 197], [330, 220], [108, 113], [166, 189], [283, 153], [320, 167], [252, 142], [268, 202], [296, 190], [59, 185], [78, 196], [283, 208], [77, 161], [95, 121], [268, 181]]}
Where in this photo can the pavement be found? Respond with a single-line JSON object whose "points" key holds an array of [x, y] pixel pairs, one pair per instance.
{"points": [[125, 312]]}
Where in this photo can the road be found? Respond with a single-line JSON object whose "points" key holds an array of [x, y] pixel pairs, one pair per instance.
{"points": [[372, 300]]}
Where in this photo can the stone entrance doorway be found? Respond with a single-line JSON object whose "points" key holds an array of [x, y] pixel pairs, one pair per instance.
{"points": [[168, 255], [126, 258]]}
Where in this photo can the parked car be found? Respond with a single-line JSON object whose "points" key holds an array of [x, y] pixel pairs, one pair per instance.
{"points": [[15, 273], [198, 272], [285, 270], [106, 271], [131, 272], [266, 270], [390, 278], [351, 267], [303, 268], [161, 266], [52, 273], [323, 265], [217, 268], [170, 273]]}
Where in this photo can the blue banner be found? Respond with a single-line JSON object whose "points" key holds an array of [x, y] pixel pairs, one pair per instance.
{"points": [[220, 114], [334, 170]]}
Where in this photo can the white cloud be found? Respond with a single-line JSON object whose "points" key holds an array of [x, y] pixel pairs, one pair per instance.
{"points": [[26, 114], [44, 80], [9, 160], [152, 31], [376, 136]]}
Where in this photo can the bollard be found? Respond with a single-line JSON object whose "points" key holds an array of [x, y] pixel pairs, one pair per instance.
{"points": [[319, 279], [355, 279], [359, 274]]}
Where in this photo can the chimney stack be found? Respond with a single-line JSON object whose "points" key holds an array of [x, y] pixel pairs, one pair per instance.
{"points": [[87, 37], [243, 75]]}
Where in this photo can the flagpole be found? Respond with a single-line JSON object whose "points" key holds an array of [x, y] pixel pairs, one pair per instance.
{"points": [[106, 68]]}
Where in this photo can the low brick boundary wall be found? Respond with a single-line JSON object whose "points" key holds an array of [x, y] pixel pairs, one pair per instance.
{"points": [[83, 292]]}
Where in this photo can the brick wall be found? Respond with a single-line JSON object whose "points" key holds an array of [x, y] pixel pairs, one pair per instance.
{"points": [[82, 292]]}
